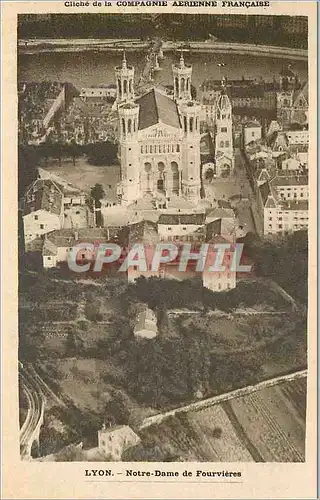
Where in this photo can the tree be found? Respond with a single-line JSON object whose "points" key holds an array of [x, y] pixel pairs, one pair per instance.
{"points": [[97, 192], [102, 153]]}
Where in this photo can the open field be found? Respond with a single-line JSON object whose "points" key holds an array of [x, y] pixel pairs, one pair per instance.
{"points": [[266, 426], [83, 175]]}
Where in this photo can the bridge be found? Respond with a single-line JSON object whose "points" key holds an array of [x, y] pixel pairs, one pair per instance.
{"points": [[30, 430], [151, 62]]}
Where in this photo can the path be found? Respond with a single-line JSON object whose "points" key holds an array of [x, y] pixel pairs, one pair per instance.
{"points": [[30, 430], [158, 418]]}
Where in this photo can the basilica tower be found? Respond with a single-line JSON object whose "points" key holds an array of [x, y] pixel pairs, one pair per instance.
{"points": [[190, 116], [124, 75], [182, 80], [129, 188], [224, 154]]}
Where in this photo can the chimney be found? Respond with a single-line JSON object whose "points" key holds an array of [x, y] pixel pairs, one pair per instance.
{"points": [[76, 235]]}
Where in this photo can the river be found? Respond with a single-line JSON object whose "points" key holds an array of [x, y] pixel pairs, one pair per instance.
{"points": [[93, 68]]}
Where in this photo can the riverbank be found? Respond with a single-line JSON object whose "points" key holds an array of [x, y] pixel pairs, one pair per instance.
{"points": [[95, 45]]}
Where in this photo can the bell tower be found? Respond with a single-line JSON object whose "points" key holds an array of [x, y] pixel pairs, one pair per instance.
{"points": [[182, 80], [190, 116], [124, 75], [224, 154], [129, 188]]}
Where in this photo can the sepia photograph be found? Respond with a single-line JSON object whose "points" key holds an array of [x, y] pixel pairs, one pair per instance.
{"points": [[163, 213]]}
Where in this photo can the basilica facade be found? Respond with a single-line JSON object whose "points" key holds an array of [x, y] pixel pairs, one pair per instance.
{"points": [[160, 137]]}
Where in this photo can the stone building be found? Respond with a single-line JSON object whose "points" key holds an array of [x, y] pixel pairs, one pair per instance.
{"points": [[159, 138], [114, 440]]}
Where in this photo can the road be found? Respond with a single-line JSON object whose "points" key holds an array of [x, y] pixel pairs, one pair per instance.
{"points": [[200, 405], [247, 207], [251, 214], [36, 402], [146, 74]]}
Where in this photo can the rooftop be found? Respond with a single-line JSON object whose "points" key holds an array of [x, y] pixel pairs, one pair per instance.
{"points": [[294, 205], [290, 180], [157, 108], [265, 191], [184, 219], [143, 232], [71, 237], [44, 194]]}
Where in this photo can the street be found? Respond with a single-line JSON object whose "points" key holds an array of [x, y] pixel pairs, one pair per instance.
{"points": [[238, 191]]}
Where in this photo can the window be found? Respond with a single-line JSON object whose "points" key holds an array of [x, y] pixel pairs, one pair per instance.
{"points": [[36, 217], [41, 226], [49, 258], [184, 228], [178, 148], [169, 228], [280, 226], [224, 129]]}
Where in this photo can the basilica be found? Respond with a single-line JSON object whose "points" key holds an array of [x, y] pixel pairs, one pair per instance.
{"points": [[160, 137]]}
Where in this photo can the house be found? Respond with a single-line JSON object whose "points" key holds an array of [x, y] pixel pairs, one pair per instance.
{"points": [[226, 219], [291, 164], [218, 281], [181, 227], [144, 233], [58, 244], [300, 105], [113, 441], [252, 131], [281, 214], [146, 325], [291, 186], [42, 209]]}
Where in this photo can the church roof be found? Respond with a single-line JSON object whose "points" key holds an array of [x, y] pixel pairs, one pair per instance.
{"points": [[264, 192], [287, 72], [304, 92], [157, 108]]}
